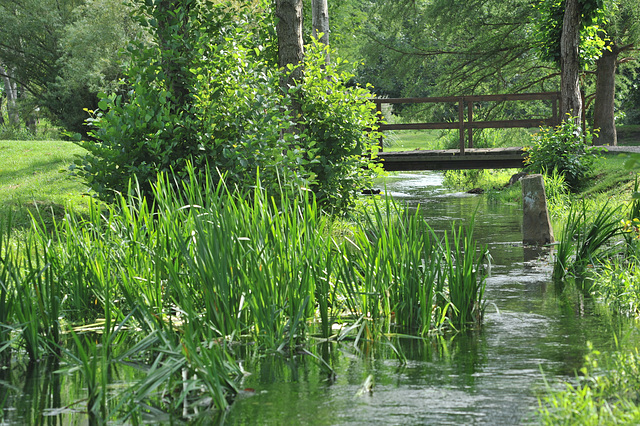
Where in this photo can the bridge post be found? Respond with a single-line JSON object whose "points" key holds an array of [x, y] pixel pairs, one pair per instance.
{"points": [[536, 225], [470, 120], [461, 118]]}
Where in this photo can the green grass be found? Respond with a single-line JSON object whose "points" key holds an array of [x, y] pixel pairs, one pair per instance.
{"points": [[411, 140], [606, 392], [34, 178]]}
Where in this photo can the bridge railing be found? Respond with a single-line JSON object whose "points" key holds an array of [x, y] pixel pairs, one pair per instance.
{"points": [[468, 123]]}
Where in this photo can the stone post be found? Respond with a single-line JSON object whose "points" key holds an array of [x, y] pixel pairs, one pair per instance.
{"points": [[536, 226]]}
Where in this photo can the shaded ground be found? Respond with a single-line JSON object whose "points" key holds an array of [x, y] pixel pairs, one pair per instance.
{"points": [[628, 135]]}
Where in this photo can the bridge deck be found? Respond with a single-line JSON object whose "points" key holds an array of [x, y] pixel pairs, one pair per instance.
{"points": [[451, 159]]}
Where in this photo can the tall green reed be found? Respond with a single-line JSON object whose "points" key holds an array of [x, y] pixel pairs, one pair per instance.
{"points": [[176, 285], [586, 238], [7, 290], [465, 277]]}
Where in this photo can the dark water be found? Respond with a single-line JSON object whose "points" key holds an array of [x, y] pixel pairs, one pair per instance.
{"points": [[493, 377]]}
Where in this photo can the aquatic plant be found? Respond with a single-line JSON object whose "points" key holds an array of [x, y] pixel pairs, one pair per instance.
{"points": [[465, 277], [606, 392], [7, 292], [174, 287], [585, 238]]}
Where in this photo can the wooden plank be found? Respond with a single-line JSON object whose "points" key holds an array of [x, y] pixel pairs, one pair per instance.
{"points": [[510, 124], [541, 96], [476, 158], [505, 124], [418, 126]]}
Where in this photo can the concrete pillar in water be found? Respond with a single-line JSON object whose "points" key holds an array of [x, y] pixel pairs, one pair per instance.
{"points": [[536, 226]]}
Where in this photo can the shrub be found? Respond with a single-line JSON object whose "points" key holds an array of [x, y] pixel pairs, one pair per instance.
{"points": [[565, 149], [208, 93], [202, 96], [335, 122]]}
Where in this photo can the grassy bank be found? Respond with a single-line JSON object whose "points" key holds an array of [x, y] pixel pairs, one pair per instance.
{"points": [[34, 179]]}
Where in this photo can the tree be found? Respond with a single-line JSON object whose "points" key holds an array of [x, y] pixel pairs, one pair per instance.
{"points": [[623, 35], [570, 61], [61, 53], [320, 21], [452, 47], [11, 92], [290, 43], [570, 36]]}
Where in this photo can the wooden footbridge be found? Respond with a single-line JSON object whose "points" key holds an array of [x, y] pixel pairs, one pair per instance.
{"points": [[466, 156]]}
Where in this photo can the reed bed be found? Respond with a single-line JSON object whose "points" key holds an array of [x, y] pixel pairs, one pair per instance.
{"points": [[175, 288], [588, 237]]}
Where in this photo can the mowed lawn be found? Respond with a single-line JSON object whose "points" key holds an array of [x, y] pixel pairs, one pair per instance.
{"points": [[410, 140], [34, 176]]}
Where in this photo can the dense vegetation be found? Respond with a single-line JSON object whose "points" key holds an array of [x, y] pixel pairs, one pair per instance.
{"points": [[176, 289], [227, 188]]}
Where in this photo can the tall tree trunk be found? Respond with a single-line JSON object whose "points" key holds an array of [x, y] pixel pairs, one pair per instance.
{"points": [[570, 62], [320, 20], [320, 23], [290, 44], [2, 96], [11, 90], [604, 105]]}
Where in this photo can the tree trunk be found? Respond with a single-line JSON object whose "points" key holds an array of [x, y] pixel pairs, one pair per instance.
{"points": [[11, 90], [320, 24], [570, 62], [604, 105], [2, 96], [320, 20], [290, 44]]}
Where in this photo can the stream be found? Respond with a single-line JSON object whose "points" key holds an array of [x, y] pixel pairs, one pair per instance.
{"points": [[534, 335], [532, 332]]}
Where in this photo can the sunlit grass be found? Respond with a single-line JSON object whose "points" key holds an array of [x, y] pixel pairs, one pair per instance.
{"points": [[34, 177]]}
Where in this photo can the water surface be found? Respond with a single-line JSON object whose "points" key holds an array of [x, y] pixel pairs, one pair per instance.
{"points": [[491, 377]]}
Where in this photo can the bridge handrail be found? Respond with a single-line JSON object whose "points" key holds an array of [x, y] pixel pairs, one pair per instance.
{"points": [[469, 124]]}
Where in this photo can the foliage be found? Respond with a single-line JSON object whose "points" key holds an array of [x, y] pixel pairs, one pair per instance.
{"points": [[549, 31], [617, 285], [62, 52], [210, 99], [606, 393], [208, 95], [338, 130], [450, 47], [566, 149], [175, 289], [556, 191], [465, 277], [585, 239]]}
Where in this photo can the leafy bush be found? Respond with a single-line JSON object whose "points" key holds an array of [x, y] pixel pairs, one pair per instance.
{"points": [[201, 96], [566, 149], [208, 93], [334, 122]]}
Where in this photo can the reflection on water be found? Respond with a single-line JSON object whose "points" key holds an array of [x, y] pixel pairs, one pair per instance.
{"points": [[488, 377]]}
